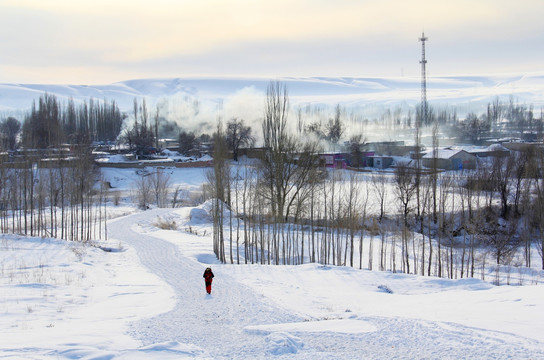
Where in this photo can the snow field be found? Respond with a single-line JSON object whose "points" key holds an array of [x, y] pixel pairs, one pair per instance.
{"points": [[66, 300], [147, 301]]}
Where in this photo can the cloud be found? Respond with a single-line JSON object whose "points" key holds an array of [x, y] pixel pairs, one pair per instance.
{"points": [[144, 38]]}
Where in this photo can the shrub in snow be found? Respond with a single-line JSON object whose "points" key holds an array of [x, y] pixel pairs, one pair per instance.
{"points": [[166, 224], [385, 289]]}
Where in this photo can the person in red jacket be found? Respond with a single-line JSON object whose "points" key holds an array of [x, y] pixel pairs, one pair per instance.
{"points": [[208, 278]]}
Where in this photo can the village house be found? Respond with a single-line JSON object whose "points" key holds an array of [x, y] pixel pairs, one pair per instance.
{"points": [[449, 159], [334, 160], [494, 150]]}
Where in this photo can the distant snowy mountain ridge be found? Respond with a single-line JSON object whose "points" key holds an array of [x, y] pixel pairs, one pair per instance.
{"points": [[351, 92]]}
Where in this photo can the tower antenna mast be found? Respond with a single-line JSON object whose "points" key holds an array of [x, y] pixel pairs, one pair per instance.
{"points": [[423, 62]]}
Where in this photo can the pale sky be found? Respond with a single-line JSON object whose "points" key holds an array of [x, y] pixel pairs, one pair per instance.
{"points": [[104, 41]]}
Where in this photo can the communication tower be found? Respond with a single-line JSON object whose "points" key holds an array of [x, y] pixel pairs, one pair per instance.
{"points": [[423, 62]]}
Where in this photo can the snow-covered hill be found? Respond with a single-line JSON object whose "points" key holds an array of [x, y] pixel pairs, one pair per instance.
{"points": [[147, 301], [349, 91]]}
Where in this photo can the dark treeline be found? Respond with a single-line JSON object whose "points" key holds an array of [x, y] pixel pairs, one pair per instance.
{"points": [[50, 124], [102, 121]]}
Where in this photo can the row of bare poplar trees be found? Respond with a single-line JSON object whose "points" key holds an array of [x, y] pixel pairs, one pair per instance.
{"points": [[53, 196], [286, 209]]}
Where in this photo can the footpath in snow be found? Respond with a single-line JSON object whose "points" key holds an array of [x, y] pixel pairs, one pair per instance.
{"points": [[214, 323]]}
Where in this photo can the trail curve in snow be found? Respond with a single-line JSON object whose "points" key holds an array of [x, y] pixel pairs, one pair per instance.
{"points": [[214, 322]]}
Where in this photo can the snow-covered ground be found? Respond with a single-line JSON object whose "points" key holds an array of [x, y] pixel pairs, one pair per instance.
{"points": [[146, 300]]}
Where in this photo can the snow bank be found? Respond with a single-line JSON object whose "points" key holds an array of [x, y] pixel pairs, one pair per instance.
{"points": [[165, 350], [281, 343], [207, 207], [198, 216]]}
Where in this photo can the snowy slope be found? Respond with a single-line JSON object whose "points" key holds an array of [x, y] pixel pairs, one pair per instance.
{"points": [[350, 91], [62, 300], [148, 302]]}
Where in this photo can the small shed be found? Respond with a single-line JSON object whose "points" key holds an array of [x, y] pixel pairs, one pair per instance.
{"points": [[382, 162], [449, 159]]}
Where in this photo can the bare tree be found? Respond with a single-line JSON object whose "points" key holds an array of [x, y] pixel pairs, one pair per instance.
{"points": [[405, 190], [379, 185], [141, 135], [538, 202], [495, 111], [160, 182], [363, 218], [219, 178], [502, 238], [238, 135], [143, 190], [156, 127], [288, 162], [9, 129], [300, 121], [335, 127], [418, 148], [502, 171], [187, 143], [473, 128], [425, 206], [434, 173], [521, 178], [42, 128], [356, 143]]}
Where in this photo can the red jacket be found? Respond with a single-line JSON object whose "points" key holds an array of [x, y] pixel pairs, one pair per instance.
{"points": [[208, 276]]}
